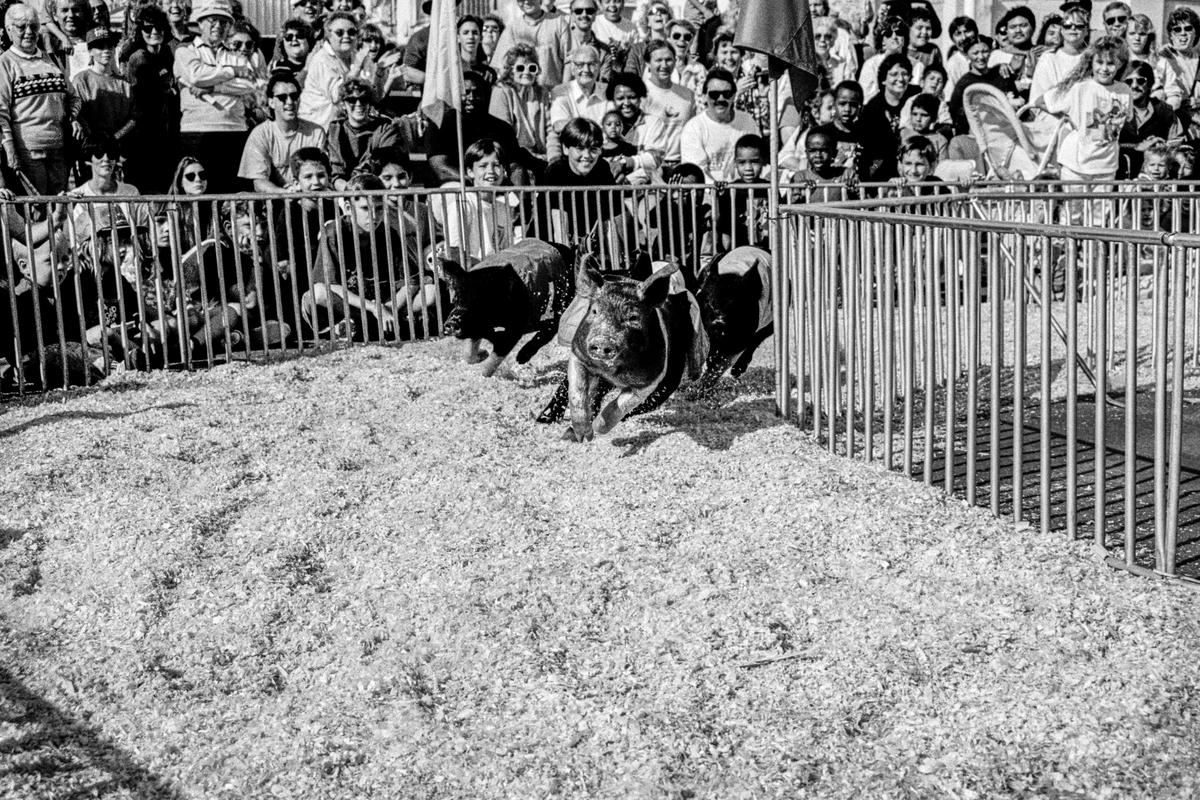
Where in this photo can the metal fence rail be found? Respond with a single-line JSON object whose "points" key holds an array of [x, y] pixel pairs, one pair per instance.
{"points": [[197, 281], [1033, 352]]}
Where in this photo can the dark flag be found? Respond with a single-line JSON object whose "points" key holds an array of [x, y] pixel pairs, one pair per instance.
{"points": [[783, 30]]}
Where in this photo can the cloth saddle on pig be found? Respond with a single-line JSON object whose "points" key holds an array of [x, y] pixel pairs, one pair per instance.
{"points": [[521, 289], [735, 301], [638, 337]]}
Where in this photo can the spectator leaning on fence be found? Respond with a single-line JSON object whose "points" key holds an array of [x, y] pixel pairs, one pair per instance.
{"points": [[267, 156], [215, 84], [36, 105], [708, 140]]}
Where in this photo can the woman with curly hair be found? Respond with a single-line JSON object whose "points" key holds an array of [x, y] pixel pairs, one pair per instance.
{"points": [[521, 101], [1175, 72], [292, 47], [155, 102]]}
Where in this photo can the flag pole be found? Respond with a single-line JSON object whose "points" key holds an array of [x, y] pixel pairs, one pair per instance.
{"points": [[463, 239], [783, 393]]}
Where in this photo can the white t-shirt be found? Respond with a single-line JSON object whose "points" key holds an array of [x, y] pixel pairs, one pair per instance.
{"points": [[710, 144], [666, 111], [1050, 70], [1097, 113]]}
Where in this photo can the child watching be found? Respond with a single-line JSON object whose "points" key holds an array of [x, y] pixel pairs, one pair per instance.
{"points": [[489, 216], [844, 131], [922, 113], [917, 158], [741, 214], [298, 224], [615, 149], [354, 281]]}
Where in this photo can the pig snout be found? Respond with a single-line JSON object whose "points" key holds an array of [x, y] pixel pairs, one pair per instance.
{"points": [[602, 348]]}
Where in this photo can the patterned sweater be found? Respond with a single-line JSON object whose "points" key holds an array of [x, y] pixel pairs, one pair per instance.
{"points": [[36, 103]]}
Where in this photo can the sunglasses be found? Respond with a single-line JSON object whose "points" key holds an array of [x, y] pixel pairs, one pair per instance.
{"points": [[358, 100], [284, 97], [1121, 20], [828, 37], [1137, 80], [1183, 29], [344, 33], [1074, 26], [148, 29], [198, 175], [292, 37], [532, 69], [681, 37], [584, 12], [238, 45], [720, 94]]}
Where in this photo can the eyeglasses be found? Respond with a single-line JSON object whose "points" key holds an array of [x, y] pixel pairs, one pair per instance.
{"points": [[344, 33], [238, 45], [1183, 29], [285, 97], [198, 175], [584, 12], [681, 36], [1074, 26], [720, 94], [27, 26], [823, 37], [532, 69], [1121, 20], [1137, 80]]}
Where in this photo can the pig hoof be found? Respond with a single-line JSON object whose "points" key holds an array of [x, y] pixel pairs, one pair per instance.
{"points": [[475, 358], [491, 364]]}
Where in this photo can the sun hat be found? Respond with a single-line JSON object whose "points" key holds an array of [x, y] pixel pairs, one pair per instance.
{"points": [[212, 8]]}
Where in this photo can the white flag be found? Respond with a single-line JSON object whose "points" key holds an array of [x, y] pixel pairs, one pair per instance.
{"points": [[443, 67]]}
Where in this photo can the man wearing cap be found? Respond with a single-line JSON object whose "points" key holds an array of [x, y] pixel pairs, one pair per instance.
{"points": [[271, 144], [36, 103], [1017, 56], [215, 86], [105, 105]]}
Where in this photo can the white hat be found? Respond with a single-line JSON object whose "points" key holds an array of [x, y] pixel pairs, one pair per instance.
{"points": [[212, 8]]}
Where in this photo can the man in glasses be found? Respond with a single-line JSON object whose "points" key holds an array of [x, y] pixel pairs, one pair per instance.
{"points": [[216, 85], [267, 156], [708, 139], [1116, 18], [1154, 122], [35, 99], [582, 34]]}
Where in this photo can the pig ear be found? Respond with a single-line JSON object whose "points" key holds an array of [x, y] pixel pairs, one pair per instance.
{"points": [[641, 267], [588, 280], [753, 280], [453, 271], [655, 289], [710, 268]]}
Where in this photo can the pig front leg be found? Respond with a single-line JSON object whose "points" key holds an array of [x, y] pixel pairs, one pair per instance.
{"points": [[714, 368], [743, 362], [581, 389], [502, 344], [472, 352], [544, 334], [614, 412]]}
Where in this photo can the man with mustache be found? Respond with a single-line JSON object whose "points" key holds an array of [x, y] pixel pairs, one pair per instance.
{"points": [[708, 139]]}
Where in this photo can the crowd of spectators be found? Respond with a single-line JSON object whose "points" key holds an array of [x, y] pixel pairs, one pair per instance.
{"points": [[181, 97]]}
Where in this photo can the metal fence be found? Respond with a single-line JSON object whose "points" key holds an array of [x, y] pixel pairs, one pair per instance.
{"points": [[1035, 350], [189, 282]]}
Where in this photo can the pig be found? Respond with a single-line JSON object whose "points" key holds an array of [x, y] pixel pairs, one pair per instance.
{"points": [[522, 289], [638, 337], [735, 304]]}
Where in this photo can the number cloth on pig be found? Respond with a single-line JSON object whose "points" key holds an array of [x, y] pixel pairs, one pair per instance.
{"points": [[540, 267], [741, 260]]}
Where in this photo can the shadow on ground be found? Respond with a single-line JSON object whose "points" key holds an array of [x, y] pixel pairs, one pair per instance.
{"points": [[45, 747]]}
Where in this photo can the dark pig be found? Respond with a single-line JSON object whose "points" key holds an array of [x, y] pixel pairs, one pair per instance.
{"points": [[637, 337], [519, 290], [735, 304]]}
